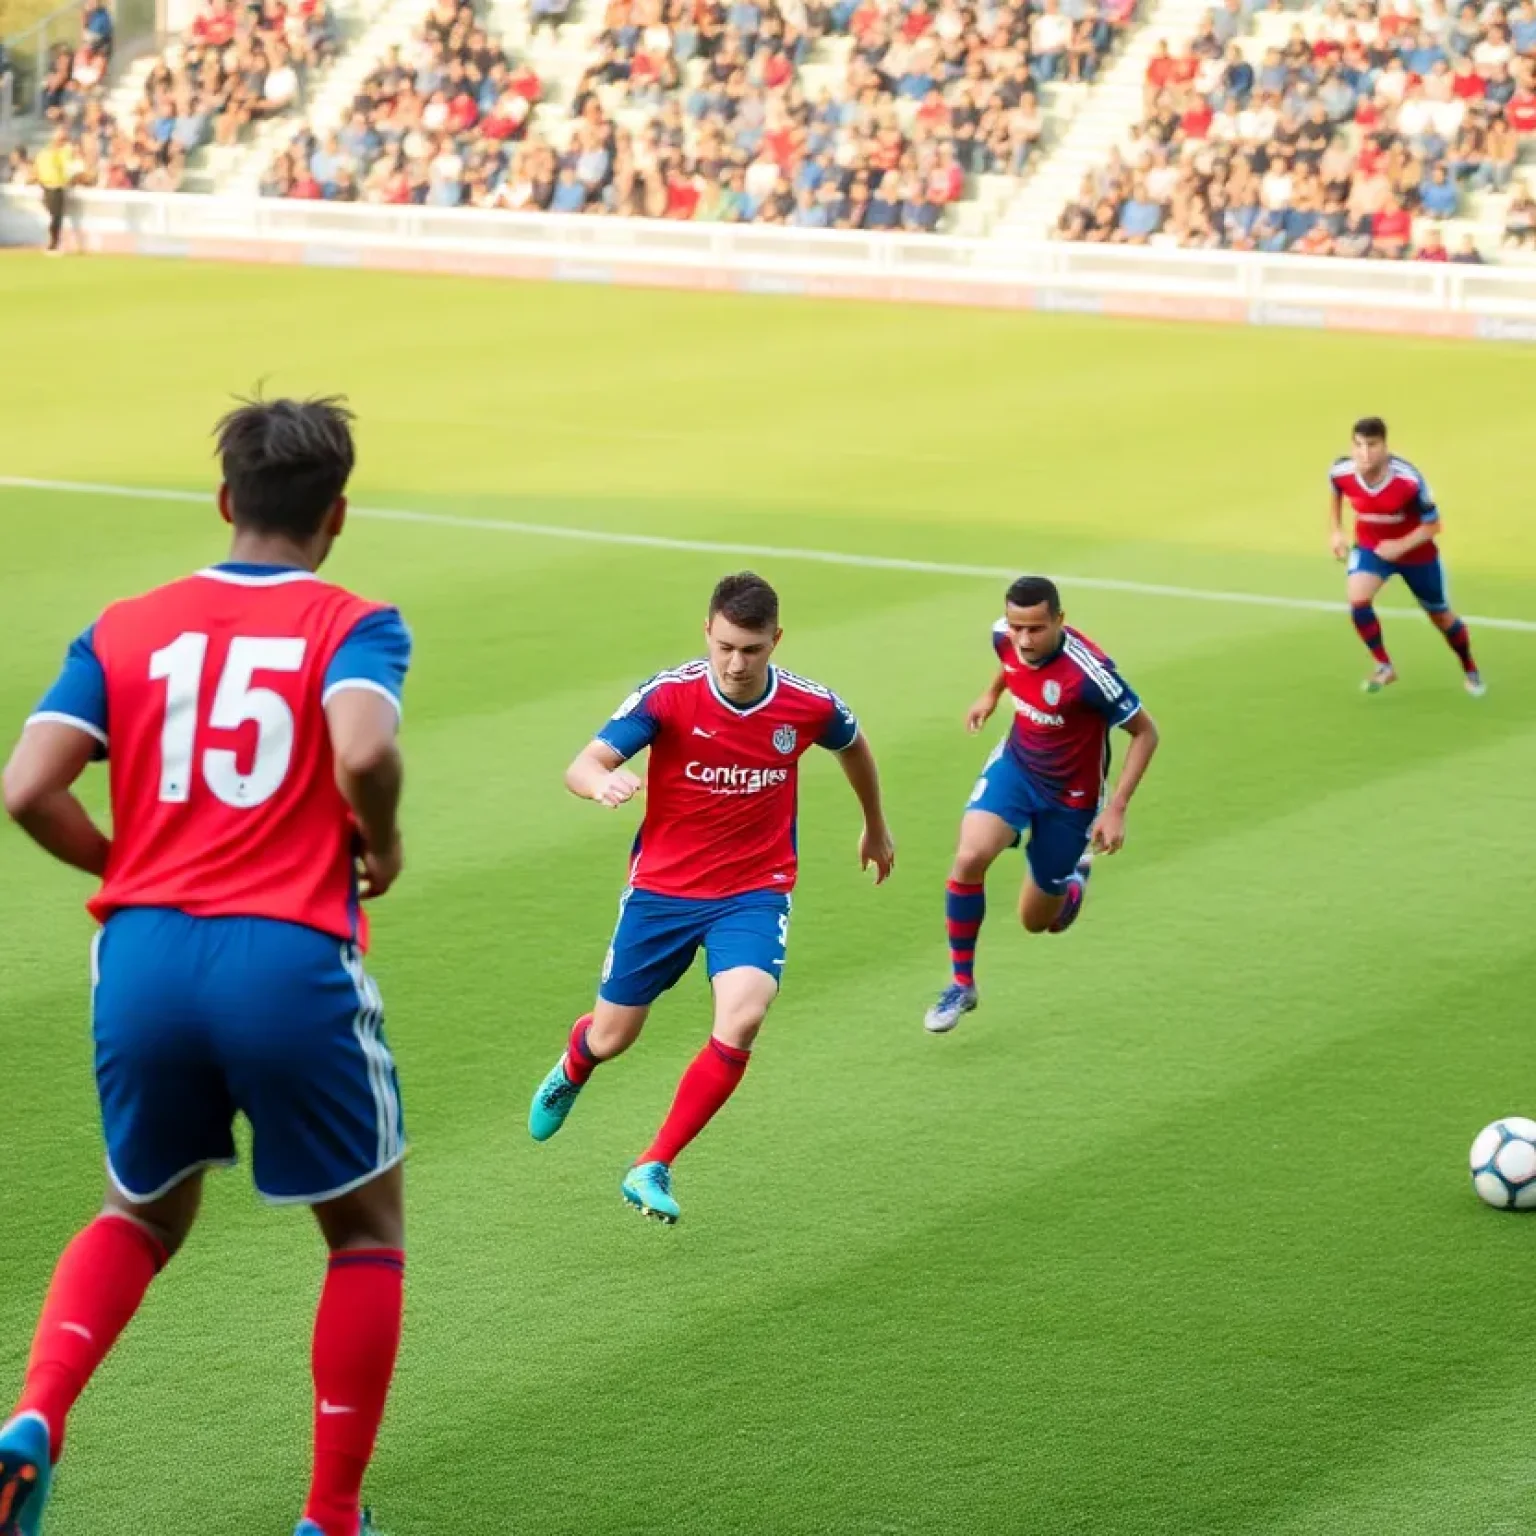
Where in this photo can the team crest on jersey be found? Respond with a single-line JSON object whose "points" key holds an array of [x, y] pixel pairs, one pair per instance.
{"points": [[785, 737], [1052, 692]]}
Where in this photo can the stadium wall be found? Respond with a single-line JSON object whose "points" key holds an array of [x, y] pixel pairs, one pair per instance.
{"points": [[1410, 298]]}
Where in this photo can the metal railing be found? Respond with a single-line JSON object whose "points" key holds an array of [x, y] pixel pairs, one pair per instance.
{"points": [[7, 113], [31, 51]]}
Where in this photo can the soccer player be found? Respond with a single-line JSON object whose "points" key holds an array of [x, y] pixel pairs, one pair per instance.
{"points": [[714, 863], [249, 713], [1396, 525], [1046, 778]]}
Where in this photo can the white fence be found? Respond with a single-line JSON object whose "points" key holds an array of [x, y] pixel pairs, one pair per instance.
{"points": [[1422, 298]]}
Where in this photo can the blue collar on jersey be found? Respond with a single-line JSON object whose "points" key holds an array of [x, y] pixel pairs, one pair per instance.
{"points": [[255, 567], [751, 704], [1035, 666]]}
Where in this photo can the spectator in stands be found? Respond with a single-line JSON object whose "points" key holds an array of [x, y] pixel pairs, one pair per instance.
{"points": [[1437, 196], [1467, 253], [1520, 219], [1433, 247], [1391, 231]]}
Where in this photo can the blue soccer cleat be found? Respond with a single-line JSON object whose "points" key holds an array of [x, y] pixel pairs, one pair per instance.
{"points": [[551, 1103], [954, 1003], [1475, 685], [368, 1528], [648, 1187], [1077, 889], [26, 1472]]}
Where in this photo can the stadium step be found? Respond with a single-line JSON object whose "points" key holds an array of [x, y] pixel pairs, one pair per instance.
{"points": [[1109, 110]]}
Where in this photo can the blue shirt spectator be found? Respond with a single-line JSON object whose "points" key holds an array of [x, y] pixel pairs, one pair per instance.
{"points": [[570, 196], [1140, 217], [97, 24], [1437, 194], [1422, 56], [882, 214], [1522, 33], [1237, 79], [1337, 97]]}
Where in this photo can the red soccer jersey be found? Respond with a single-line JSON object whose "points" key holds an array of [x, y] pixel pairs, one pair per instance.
{"points": [[208, 695], [1064, 709], [1391, 509], [723, 782]]}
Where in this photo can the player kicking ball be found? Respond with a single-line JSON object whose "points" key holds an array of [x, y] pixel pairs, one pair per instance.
{"points": [[250, 713], [714, 862], [1396, 526], [1045, 779]]}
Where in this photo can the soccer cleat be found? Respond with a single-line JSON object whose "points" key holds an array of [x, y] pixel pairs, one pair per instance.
{"points": [[552, 1103], [1475, 685], [1384, 676], [954, 1003], [26, 1471], [1076, 891], [648, 1187], [367, 1528]]}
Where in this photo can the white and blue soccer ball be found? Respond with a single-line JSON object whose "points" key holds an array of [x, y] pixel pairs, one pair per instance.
{"points": [[1504, 1164]]}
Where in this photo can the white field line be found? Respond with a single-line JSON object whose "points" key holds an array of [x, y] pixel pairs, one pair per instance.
{"points": [[764, 552]]}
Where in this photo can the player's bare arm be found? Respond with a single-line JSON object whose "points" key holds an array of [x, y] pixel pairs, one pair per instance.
{"points": [[599, 774], [1395, 549], [39, 794], [984, 707], [1337, 538], [370, 774], [1109, 829], [876, 845]]}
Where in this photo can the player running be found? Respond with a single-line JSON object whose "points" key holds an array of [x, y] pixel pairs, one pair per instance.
{"points": [[1396, 525], [1045, 778], [714, 862], [250, 713]]}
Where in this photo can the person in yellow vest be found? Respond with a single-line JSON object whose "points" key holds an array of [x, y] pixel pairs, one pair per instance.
{"points": [[57, 168]]}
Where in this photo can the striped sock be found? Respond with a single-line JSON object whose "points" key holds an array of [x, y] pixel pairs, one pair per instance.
{"points": [[1461, 642], [1369, 628], [580, 1063], [964, 908]]}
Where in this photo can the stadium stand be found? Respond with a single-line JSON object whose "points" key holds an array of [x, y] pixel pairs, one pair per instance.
{"points": [[236, 65], [1378, 128], [853, 115]]}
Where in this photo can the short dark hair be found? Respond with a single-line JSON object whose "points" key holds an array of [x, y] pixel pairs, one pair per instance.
{"points": [[286, 462], [1029, 591], [1372, 428], [746, 600]]}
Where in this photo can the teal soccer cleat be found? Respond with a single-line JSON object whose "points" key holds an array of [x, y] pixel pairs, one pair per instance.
{"points": [[648, 1187], [368, 1528], [26, 1472], [551, 1103]]}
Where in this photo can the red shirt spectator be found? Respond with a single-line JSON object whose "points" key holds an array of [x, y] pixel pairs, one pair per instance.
{"points": [[504, 120], [1369, 161], [919, 20], [1391, 21], [1367, 116], [946, 183], [1160, 68], [682, 196], [215, 28], [1392, 224], [864, 19], [933, 115], [397, 190], [644, 68], [1197, 118], [1521, 111], [526, 83], [777, 70], [306, 187], [780, 143], [1434, 251], [1467, 84], [1185, 70], [462, 113]]}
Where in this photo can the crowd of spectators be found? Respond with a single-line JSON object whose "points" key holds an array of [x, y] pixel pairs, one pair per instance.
{"points": [[240, 61], [1378, 113], [699, 109]]}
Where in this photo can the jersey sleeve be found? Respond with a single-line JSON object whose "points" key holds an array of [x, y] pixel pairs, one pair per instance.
{"points": [[842, 727], [1000, 640], [1109, 693], [636, 721], [1427, 509], [78, 696], [374, 656]]}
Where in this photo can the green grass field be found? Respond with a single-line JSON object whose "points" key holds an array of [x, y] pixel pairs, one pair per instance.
{"points": [[1174, 1236]]}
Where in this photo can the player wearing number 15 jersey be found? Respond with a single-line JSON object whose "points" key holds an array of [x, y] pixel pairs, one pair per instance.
{"points": [[714, 862], [249, 715]]}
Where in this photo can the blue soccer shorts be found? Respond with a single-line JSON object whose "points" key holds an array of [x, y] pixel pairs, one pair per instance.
{"points": [[198, 1019], [1426, 581], [657, 938], [1058, 835]]}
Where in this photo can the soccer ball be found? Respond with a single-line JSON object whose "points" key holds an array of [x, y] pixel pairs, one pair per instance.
{"points": [[1504, 1164]]}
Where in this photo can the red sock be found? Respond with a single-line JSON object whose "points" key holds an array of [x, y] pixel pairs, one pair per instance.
{"points": [[100, 1280], [580, 1063], [357, 1335], [710, 1080]]}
